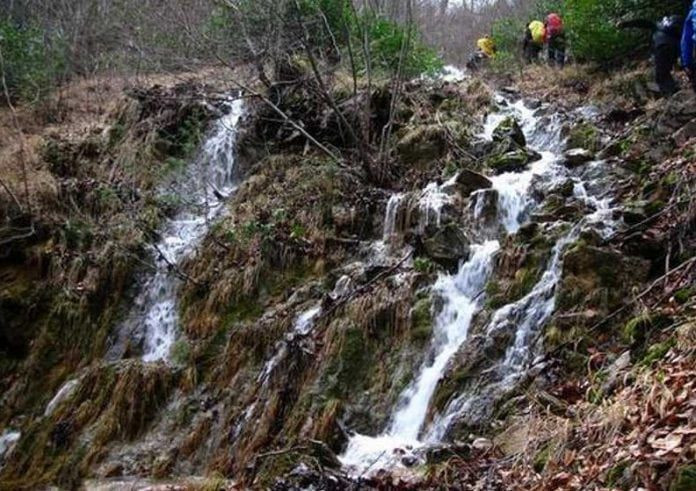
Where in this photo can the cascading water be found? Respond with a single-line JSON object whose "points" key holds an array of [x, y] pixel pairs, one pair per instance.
{"points": [[461, 293], [302, 327], [8, 439], [210, 181]]}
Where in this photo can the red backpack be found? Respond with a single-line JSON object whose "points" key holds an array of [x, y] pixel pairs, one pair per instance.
{"points": [[554, 26]]}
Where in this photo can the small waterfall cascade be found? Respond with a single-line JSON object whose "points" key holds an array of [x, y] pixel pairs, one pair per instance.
{"points": [[208, 182], [302, 327], [63, 394], [461, 294], [8, 439]]}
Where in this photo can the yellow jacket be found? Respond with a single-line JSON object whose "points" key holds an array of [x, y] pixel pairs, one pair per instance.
{"points": [[538, 31], [486, 46]]}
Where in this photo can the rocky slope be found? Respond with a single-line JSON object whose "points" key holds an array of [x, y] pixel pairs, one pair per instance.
{"points": [[504, 300]]}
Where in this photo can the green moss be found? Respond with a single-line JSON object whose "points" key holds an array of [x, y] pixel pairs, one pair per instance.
{"points": [[685, 479], [584, 135], [181, 352], [657, 351], [350, 369], [422, 321], [636, 330], [684, 295], [541, 458], [242, 311], [423, 265]]}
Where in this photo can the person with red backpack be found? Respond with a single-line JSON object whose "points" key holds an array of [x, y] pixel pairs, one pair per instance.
{"points": [[555, 40]]}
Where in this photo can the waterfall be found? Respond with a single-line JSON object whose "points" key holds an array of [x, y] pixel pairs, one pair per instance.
{"points": [[208, 182], [302, 327], [8, 439], [461, 296]]}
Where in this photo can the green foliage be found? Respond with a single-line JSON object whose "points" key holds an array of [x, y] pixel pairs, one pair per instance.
{"points": [[685, 479], [387, 41], [31, 65], [423, 265], [508, 34]]}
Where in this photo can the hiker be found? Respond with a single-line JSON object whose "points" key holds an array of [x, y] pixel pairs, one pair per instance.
{"points": [[533, 40], [486, 50], [665, 45], [555, 39], [688, 42]]}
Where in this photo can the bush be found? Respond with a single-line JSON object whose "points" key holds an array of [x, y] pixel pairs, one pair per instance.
{"points": [[31, 67], [386, 41]]}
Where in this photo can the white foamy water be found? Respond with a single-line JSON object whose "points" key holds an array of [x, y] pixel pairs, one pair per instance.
{"points": [[406, 433], [204, 189], [461, 293], [302, 327], [391, 228], [8, 439]]}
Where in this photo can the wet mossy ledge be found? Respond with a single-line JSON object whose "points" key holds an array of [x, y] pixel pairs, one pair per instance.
{"points": [[111, 403]]}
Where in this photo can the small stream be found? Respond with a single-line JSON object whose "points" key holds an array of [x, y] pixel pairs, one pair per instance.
{"points": [[407, 433]]}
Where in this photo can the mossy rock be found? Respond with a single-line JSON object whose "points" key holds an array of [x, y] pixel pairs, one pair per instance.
{"points": [[422, 321], [512, 161], [422, 144], [584, 135], [509, 128]]}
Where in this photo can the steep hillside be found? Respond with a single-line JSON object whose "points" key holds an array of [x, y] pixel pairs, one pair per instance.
{"points": [[219, 294]]}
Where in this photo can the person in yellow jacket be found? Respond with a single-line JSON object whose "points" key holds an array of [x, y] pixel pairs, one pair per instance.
{"points": [[534, 38], [485, 50], [486, 45]]}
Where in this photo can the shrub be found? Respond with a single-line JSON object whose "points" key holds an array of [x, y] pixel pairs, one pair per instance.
{"points": [[30, 65]]}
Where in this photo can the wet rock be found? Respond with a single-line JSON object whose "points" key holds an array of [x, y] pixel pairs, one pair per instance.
{"points": [[615, 372], [469, 181], [448, 246], [686, 133], [409, 460], [509, 129], [485, 207], [512, 161], [577, 156]]}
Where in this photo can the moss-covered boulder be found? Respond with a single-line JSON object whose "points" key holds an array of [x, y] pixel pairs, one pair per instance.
{"points": [[423, 143], [509, 129], [512, 161], [448, 246]]}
